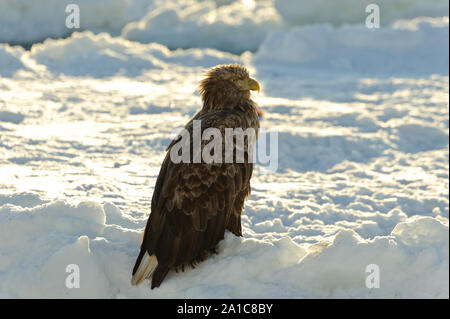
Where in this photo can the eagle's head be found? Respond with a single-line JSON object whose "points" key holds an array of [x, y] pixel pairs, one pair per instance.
{"points": [[226, 86]]}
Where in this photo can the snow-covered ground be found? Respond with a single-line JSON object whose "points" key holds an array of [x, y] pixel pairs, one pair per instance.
{"points": [[363, 163]]}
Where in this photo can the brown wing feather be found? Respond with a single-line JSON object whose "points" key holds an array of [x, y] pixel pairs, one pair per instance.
{"points": [[193, 205]]}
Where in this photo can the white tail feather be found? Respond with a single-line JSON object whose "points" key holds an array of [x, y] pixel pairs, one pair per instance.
{"points": [[146, 268]]}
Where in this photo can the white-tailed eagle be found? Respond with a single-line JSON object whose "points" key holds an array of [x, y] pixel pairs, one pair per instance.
{"points": [[194, 203]]}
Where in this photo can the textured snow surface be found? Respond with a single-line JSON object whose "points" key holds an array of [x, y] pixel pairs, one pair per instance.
{"points": [[363, 163], [353, 48], [228, 25]]}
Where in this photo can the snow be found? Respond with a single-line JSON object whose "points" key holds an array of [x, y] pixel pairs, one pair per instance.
{"points": [[102, 55], [228, 25], [6, 116], [236, 27], [355, 48], [98, 55], [10, 59], [413, 259], [340, 12], [26, 22], [363, 164]]}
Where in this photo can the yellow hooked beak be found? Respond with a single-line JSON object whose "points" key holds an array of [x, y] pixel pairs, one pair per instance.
{"points": [[249, 84]]}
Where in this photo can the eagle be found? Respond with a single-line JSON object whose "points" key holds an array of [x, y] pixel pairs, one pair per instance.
{"points": [[194, 203]]}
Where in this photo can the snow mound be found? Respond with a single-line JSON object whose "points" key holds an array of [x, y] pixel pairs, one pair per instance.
{"points": [[10, 60], [100, 55], [235, 27], [231, 25], [357, 48], [26, 22], [39, 246], [96, 55], [422, 233], [35, 242], [338, 12], [407, 268]]}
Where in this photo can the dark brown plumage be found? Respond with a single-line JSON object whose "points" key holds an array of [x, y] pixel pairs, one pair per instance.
{"points": [[194, 203]]}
